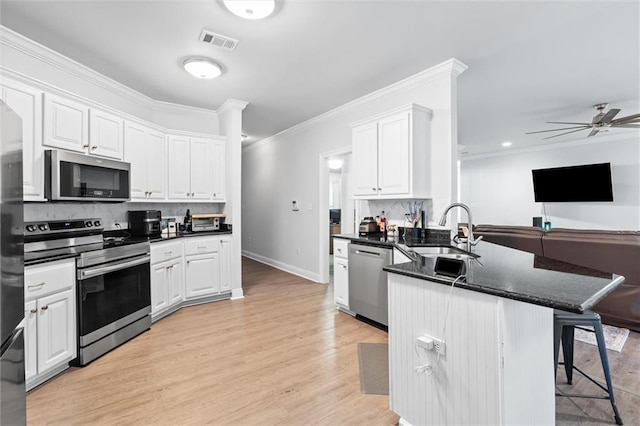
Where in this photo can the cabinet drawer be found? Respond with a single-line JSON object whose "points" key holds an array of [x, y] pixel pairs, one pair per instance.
{"points": [[40, 280], [165, 251], [340, 248], [201, 245]]}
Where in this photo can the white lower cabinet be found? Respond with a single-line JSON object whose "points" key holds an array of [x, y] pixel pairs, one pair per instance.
{"points": [[207, 266], [167, 277], [50, 320], [188, 271], [341, 273]]}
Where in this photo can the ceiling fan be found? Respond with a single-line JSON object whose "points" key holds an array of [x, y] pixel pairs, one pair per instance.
{"points": [[600, 122]]}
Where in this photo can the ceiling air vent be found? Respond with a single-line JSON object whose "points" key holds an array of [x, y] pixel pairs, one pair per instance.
{"points": [[218, 40]]}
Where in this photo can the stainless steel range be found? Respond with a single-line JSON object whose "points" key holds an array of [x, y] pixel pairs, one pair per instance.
{"points": [[113, 280]]}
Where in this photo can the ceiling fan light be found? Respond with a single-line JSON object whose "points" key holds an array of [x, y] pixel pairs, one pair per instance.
{"points": [[202, 68], [251, 9]]}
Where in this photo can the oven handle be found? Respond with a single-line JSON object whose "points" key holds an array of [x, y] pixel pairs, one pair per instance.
{"points": [[102, 270]]}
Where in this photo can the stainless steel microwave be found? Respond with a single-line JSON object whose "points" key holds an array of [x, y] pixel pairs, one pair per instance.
{"points": [[70, 176]]}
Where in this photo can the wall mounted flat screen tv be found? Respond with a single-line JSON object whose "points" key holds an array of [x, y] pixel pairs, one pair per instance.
{"points": [[589, 182]]}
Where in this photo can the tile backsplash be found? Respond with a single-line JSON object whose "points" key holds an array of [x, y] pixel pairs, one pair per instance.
{"points": [[111, 213], [395, 210]]}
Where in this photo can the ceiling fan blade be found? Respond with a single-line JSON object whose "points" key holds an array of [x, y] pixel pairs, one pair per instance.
{"points": [[568, 122], [573, 131], [593, 132], [557, 130], [606, 119], [627, 118], [630, 125]]}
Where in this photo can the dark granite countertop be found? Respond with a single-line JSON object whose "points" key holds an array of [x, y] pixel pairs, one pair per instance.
{"points": [[187, 235], [518, 275]]}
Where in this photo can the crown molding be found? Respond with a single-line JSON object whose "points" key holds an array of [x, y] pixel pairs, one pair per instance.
{"points": [[26, 46], [451, 67], [610, 138], [231, 104]]}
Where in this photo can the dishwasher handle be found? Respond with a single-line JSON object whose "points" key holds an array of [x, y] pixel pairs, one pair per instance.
{"points": [[367, 253]]}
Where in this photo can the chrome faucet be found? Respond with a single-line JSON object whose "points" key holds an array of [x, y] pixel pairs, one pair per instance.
{"points": [[443, 221]]}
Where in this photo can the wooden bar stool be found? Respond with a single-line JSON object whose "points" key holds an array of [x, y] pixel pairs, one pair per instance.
{"points": [[564, 324]]}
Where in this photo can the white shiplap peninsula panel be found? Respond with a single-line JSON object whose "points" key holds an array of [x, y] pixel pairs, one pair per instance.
{"points": [[498, 366]]}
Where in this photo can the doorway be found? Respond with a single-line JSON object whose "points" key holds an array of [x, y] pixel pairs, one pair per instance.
{"points": [[336, 205]]}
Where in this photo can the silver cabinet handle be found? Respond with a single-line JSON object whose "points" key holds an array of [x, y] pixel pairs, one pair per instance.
{"points": [[45, 307], [202, 247], [379, 189], [168, 253], [85, 145], [373, 189], [33, 311], [344, 266], [36, 286], [150, 192], [94, 147]]}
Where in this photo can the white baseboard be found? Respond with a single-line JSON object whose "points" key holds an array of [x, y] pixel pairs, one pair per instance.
{"points": [[312, 276], [237, 293]]}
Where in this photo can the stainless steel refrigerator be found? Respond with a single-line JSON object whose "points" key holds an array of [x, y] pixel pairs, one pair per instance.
{"points": [[12, 390]]}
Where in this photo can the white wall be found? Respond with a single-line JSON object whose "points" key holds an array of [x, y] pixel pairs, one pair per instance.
{"points": [[499, 188], [285, 167]]}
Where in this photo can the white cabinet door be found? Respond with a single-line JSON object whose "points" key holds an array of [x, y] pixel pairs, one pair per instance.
{"points": [[66, 124], [202, 165], [341, 281], [136, 153], [156, 165], [202, 275], [159, 288], [176, 282], [56, 330], [219, 170], [225, 264], [27, 103], [105, 134], [393, 155], [178, 172], [145, 149], [365, 150], [30, 340]]}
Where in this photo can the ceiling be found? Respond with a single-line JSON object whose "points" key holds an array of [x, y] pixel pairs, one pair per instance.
{"points": [[528, 62]]}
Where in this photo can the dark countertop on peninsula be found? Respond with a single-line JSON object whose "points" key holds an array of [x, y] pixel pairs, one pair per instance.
{"points": [[505, 272], [518, 275]]}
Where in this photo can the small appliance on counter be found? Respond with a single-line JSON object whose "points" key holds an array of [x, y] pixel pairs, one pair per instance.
{"points": [[202, 222], [368, 227], [145, 223]]}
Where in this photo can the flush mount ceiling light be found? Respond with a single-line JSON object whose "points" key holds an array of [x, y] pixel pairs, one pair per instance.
{"points": [[506, 144], [202, 68], [251, 9]]}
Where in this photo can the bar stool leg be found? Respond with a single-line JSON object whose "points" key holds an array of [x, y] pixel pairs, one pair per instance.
{"points": [[557, 336], [602, 348], [567, 351]]}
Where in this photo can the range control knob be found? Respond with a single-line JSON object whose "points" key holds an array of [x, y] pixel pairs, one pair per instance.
{"points": [[31, 228], [43, 227], [88, 224], [96, 223]]}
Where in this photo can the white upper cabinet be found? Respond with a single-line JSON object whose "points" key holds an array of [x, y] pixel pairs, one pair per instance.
{"points": [[27, 103], [196, 168], [66, 124], [105, 134], [391, 154], [144, 149], [73, 126]]}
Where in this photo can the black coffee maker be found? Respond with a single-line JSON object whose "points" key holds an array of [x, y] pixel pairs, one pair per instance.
{"points": [[145, 223]]}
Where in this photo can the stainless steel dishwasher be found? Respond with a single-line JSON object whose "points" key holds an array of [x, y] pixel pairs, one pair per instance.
{"points": [[368, 282]]}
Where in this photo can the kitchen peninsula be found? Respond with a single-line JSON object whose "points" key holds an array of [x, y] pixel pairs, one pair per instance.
{"points": [[496, 363]]}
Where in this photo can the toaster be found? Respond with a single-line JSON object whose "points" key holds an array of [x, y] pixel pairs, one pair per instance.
{"points": [[369, 226]]}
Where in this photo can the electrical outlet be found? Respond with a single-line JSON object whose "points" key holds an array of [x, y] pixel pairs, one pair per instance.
{"points": [[432, 343]]}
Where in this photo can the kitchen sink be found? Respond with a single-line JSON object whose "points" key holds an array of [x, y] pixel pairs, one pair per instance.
{"points": [[442, 251]]}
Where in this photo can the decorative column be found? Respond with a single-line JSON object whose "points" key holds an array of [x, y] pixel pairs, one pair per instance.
{"points": [[230, 119]]}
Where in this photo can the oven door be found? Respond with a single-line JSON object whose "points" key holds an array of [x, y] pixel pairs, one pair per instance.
{"points": [[111, 296]]}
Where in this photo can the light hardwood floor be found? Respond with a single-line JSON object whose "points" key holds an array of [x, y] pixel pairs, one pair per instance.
{"points": [[283, 355]]}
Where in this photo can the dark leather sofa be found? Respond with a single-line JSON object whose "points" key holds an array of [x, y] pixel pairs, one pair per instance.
{"points": [[617, 252]]}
